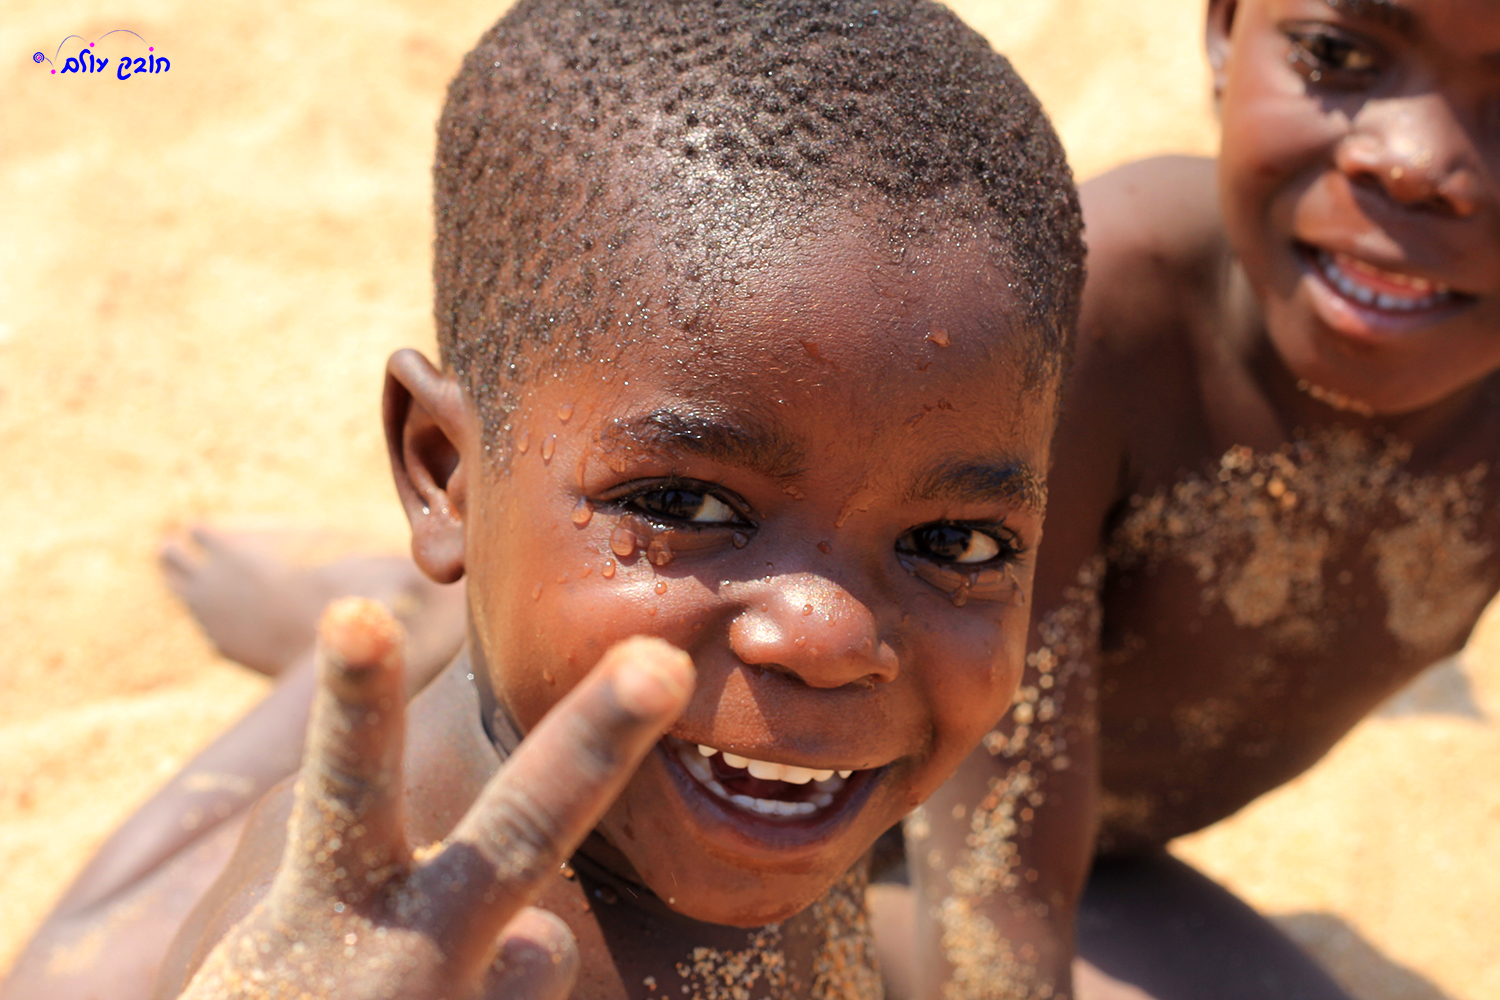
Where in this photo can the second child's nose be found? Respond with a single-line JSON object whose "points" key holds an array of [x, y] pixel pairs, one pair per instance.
{"points": [[1417, 152], [814, 629]]}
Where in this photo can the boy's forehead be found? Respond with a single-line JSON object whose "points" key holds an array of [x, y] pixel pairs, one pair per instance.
{"points": [[847, 293]]}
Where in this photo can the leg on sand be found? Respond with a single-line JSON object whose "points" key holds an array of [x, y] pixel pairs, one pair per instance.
{"points": [[1154, 927], [110, 931], [257, 595]]}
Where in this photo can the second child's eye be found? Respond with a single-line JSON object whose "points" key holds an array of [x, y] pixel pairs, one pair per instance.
{"points": [[692, 506], [955, 544], [1320, 53]]}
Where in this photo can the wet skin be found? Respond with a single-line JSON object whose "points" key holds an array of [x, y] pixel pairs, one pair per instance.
{"points": [[850, 508], [1368, 135]]}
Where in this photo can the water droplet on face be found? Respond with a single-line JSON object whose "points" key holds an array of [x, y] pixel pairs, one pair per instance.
{"points": [[622, 542], [548, 447], [661, 586], [659, 552], [608, 572], [960, 597], [651, 611], [583, 513], [536, 592], [564, 412], [938, 336], [740, 539], [800, 641], [523, 443], [807, 609], [585, 571], [825, 548], [547, 676]]}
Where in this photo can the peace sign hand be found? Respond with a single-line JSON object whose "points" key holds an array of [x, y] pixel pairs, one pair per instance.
{"points": [[354, 912]]}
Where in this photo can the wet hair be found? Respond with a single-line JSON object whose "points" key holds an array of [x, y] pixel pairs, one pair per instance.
{"points": [[604, 162]]}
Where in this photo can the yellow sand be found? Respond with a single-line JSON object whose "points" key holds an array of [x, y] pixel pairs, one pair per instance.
{"points": [[201, 273]]}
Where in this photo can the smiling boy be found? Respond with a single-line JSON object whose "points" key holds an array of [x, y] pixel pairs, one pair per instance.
{"points": [[751, 336], [1273, 495]]}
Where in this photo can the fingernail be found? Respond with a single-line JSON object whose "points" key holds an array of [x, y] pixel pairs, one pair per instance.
{"points": [[358, 632], [654, 681]]}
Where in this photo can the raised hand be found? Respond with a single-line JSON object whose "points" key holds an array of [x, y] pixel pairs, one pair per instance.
{"points": [[356, 911]]}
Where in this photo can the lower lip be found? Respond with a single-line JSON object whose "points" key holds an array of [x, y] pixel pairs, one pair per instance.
{"points": [[1369, 324], [771, 838]]}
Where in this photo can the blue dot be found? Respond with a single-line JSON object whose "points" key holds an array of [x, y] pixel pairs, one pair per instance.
{"points": [[37, 57]]}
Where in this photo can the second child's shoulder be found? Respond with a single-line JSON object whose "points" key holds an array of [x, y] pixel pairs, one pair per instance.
{"points": [[1156, 252]]}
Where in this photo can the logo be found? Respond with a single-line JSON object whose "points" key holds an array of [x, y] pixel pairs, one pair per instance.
{"points": [[90, 59]]}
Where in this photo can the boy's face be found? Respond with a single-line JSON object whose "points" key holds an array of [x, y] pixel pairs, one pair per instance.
{"points": [[830, 498], [1358, 174]]}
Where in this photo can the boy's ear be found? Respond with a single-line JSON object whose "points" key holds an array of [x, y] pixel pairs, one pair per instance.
{"points": [[428, 431], [1216, 39]]}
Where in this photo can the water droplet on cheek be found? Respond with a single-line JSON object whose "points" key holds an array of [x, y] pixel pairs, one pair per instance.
{"points": [[659, 552], [622, 542], [938, 336], [608, 572], [800, 641], [807, 609], [740, 539], [523, 443], [536, 592], [548, 447], [564, 412], [547, 676], [583, 513], [661, 586], [825, 548], [587, 569]]}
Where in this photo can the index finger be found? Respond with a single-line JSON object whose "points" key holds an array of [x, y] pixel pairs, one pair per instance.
{"points": [[536, 811]]}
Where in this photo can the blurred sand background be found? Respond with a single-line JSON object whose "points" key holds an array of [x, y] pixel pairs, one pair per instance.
{"points": [[201, 274]]}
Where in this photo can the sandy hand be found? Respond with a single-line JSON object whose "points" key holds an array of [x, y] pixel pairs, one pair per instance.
{"points": [[355, 912]]}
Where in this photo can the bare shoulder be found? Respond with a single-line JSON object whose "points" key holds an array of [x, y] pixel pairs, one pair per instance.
{"points": [[1156, 250]]}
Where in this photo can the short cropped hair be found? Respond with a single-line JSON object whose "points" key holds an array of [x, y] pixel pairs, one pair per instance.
{"points": [[586, 144]]}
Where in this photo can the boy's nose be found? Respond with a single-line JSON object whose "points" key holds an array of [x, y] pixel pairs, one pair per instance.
{"points": [[1417, 152], [811, 627]]}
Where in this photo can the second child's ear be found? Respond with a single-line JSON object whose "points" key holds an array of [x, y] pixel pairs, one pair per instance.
{"points": [[1216, 38], [428, 431]]}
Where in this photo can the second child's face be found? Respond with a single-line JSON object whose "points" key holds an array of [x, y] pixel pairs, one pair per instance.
{"points": [[1358, 175], [830, 497]]}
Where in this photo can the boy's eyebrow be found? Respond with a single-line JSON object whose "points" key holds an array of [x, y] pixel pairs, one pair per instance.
{"points": [[1008, 480], [742, 440], [1385, 12]]}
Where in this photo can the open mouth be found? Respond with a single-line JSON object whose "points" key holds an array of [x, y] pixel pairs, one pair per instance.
{"points": [[764, 789], [1372, 287]]}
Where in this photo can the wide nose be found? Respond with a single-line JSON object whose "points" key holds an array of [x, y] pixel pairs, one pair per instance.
{"points": [[808, 626], [1418, 152]]}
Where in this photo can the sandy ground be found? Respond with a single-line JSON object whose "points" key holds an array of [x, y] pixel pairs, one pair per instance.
{"points": [[201, 273]]}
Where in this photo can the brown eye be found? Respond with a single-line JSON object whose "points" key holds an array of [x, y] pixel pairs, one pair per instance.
{"points": [[693, 506], [1321, 53], [955, 544]]}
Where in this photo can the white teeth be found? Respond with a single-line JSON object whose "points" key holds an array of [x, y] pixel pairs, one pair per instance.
{"points": [[1351, 288], [767, 770], [824, 782]]}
